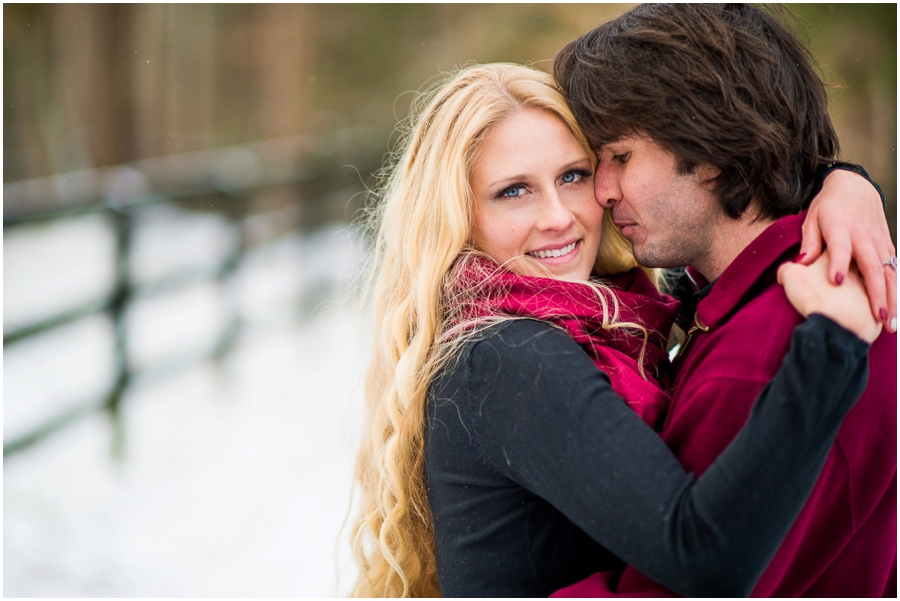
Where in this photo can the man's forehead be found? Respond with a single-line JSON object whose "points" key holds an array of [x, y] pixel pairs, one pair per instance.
{"points": [[620, 141]]}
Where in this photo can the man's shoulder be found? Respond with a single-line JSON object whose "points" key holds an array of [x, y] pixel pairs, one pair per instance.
{"points": [[750, 345], [763, 324]]}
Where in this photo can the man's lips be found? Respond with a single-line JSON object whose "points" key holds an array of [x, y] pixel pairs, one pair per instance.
{"points": [[626, 228], [621, 221], [622, 224]]}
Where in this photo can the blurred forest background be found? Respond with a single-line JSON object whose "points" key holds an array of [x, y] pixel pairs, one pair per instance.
{"points": [[98, 85], [182, 392]]}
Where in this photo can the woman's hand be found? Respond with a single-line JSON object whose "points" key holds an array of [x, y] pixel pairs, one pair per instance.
{"points": [[810, 291], [848, 215]]}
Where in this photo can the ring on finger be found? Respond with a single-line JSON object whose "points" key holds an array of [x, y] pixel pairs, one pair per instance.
{"points": [[891, 262]]}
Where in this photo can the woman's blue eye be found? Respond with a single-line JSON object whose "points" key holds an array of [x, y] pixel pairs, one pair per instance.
{"points": [[576, 175], [512, 192]]}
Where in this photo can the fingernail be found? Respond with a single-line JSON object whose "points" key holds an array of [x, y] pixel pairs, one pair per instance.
{"points": [[799, 257], [893, 326], [839, 278], [883, 314]]}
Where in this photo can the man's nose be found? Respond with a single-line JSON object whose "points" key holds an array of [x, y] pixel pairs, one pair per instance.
{"points": [[606, 185]]}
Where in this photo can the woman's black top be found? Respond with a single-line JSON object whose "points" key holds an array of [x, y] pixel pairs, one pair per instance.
{"points": [[538, 474]]}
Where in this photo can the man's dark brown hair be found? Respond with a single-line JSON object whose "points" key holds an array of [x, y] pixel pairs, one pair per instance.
{"points": [[723, 84]]}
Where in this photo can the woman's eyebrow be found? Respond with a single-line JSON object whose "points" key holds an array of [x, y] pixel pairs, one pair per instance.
{"points": [[512, 179], [576, 162]]}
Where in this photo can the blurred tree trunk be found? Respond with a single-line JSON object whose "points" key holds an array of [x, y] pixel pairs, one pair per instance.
{"points": [[92, 101], [284, 56]]}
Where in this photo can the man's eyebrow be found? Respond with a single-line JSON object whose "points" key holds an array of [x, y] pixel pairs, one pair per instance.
{"points": [[607, 143]]}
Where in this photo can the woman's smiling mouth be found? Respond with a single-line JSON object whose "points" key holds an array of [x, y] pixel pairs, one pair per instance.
{"points": [[556, 252]]}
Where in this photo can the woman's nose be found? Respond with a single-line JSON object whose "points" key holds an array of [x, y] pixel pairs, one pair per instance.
{"points": [[555, 215], [606, 185]]}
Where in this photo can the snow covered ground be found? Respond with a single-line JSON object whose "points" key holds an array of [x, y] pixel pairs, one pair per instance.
{"points": [[236, 477]]}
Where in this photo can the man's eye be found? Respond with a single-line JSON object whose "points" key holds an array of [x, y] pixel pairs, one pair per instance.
{"points": [[622, 158]]}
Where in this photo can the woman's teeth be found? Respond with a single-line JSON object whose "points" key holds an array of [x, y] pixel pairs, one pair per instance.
{"points": [[558, 252]]}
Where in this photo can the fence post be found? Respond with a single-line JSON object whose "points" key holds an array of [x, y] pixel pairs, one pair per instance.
{"points": [[123, 224]]}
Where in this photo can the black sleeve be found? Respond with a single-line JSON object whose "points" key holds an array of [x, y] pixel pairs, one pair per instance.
{"points": [[548, 419], [857, 169]]}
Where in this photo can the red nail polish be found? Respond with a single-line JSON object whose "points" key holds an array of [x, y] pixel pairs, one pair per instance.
{"points": [[800, 257], [883, 314], [839, 278]]}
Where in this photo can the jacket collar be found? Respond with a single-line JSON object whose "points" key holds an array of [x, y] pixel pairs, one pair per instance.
{"points": [[753, 269]]}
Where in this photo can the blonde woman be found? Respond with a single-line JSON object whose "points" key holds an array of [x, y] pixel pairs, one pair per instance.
{"points": [[500, 458]]}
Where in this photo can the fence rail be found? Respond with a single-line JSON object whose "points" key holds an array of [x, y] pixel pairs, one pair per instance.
{"points": [[231, 179]]}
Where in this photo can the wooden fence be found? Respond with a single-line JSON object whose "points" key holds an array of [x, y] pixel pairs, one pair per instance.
{"points": [[289, 183]]}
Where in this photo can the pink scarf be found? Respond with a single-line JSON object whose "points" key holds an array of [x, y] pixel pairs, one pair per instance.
{"points": [[484, 289]]}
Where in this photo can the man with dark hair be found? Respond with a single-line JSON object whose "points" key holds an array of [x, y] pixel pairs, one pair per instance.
{"points": [[711, 127]]}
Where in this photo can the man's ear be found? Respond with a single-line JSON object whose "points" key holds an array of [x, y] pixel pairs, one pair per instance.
{"points": [[706, 173]]}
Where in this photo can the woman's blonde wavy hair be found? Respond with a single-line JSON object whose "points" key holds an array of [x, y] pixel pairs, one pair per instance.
{"points": [[422, 223]]}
